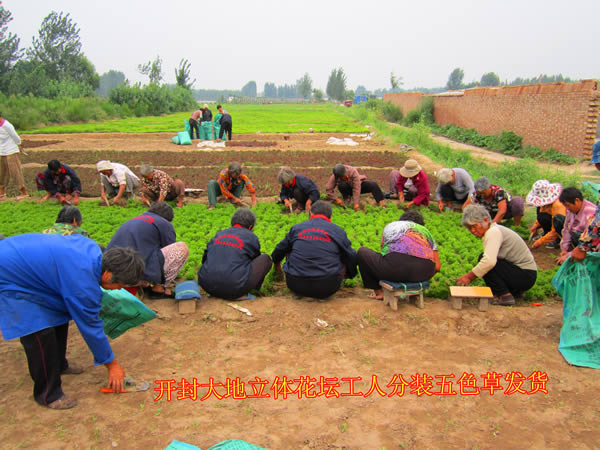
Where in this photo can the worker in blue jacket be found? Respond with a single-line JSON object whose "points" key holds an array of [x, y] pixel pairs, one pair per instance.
{"points": [[59, 181], [152, 234], [318, 255], [232, 264], [46, 281], [297, 187]]}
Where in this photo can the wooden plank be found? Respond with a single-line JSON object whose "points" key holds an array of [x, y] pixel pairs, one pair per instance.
{"points": [[471, 291]]}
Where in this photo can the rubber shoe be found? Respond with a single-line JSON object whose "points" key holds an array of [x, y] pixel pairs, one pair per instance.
{"points": [[63, 403], [72, 370], [554, 244], [505, 300]]}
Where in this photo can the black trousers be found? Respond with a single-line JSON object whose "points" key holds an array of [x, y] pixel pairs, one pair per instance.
{"points": [[546, 221], [397, 267], [261, 265], [225, 127], [315, 287], [194, 126], [448, 195], [506, 278], [365, 188], [300, 197], [46, 350]]}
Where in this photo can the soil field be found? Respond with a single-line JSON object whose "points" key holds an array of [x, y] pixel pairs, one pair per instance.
{"points": [[360, 377]]}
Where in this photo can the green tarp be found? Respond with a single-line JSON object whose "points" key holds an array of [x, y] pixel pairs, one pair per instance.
{"points": [[579, 286], [121, 310]]}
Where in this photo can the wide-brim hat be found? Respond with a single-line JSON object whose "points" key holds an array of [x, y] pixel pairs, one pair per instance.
{"points": [[544, 193], [103, 165], [410, 169]]}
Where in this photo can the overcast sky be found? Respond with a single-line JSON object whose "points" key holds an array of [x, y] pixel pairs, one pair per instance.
{"points": [[231, 42]]}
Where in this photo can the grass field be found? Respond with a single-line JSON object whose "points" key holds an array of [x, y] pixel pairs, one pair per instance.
{"points": [[322, 118]]}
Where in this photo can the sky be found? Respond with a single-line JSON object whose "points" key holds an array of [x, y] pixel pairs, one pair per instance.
{"points": [[231, 42]]}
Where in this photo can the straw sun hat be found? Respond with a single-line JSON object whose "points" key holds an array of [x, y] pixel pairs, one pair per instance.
{"points": [[410, 169]]}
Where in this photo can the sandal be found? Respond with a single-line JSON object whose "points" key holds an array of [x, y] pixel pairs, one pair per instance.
{"points": [[63, 403], [374, 296]]}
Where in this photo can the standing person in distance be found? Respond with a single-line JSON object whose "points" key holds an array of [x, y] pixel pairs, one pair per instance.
{"points": [[10, 163], [226, 123]]}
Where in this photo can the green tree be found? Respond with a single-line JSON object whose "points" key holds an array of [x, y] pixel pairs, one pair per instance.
{"points": [[455, 80], [153, 69], [318, 95], [249, 89], [490, 79], [395, 81], [109, 81], [182, 75], [9, 48], [336, 85], [270, 90], [58, 48], [304, 85]]}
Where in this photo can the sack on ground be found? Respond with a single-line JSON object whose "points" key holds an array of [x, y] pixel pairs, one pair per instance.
{"points": [[184, 138], [121, 311]]}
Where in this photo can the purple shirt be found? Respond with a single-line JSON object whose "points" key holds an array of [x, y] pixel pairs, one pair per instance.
{"points": [[576, 223]]}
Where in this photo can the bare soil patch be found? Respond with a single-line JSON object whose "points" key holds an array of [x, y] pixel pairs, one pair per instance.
{"points": [[26, 143]]}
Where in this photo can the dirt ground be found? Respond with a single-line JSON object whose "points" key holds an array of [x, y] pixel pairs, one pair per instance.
{"points": [[350, 339]]}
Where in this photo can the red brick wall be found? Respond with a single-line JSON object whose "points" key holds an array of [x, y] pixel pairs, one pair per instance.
{"points": [[407, 101], [562, 116]]}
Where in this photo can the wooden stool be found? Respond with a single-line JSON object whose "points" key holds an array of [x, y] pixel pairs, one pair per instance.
{"points": [[457, 294], [394, 290]]}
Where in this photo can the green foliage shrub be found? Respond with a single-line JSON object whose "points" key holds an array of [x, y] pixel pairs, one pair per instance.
{"points": [[412, 117], [392, 113]]}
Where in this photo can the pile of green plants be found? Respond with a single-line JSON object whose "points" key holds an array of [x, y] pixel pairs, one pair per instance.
{"points": [[506, 142], [196, 225]]}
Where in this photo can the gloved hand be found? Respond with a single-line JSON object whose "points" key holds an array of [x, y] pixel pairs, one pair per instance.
{"points": [[116, 376]]}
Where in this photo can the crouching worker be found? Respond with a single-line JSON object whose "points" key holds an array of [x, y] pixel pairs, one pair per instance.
{"points": [[37, 302], [232, 264], [408, 254], [318, 255], [507, 266], [59, 181], [68, 222], [297, 187], [157, 186], [116, 180], [152, 234]]}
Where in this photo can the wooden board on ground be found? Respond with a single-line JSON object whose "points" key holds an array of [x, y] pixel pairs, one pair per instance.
{"points": [[483, 293]]}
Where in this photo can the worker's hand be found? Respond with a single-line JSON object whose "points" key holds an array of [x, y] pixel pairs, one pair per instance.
{"points": [[536, 244], [533, 228], [401, 197], [76, 200], [356, 207], [238, 201], [465, 280], [253, 201], [562, 258], [578, 254], [288, 204], [409, 204], [440, 205], [116, 376], [339, 201]]}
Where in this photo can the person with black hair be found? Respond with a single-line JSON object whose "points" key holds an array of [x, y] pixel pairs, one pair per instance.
{"points": [[232, 264], [579, 213], [37, 301], [67, 223], [224, 120], [351, 184], [152, 234], [59, 181], [408, 254], [318, 255]]}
